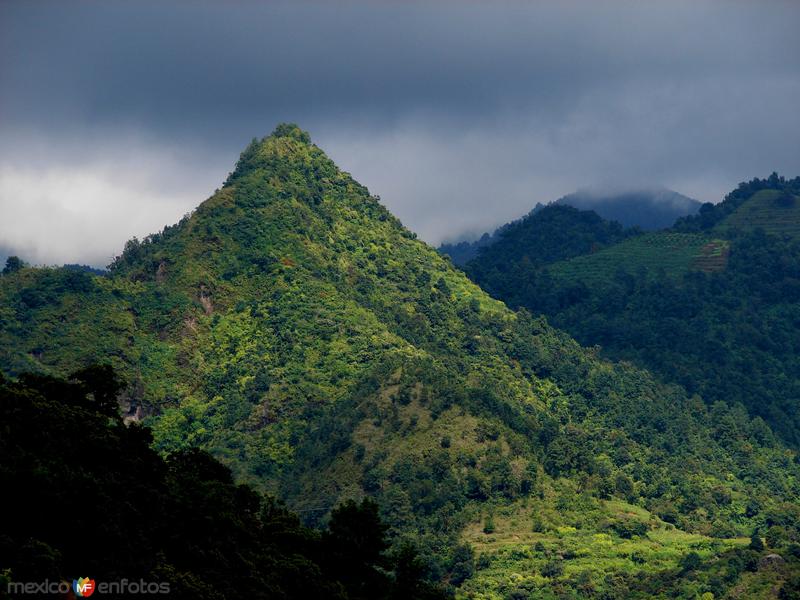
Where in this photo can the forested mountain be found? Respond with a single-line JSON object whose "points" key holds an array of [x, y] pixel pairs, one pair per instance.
{"points": [[712, 304], [648, 210], [295, 330], [550, 234]]}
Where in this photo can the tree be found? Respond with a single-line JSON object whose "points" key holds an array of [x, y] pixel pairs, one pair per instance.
{"points": [[775, 536], [756, 542], [13, 264], [463, 564], [103, 386], [408, 572], [753, 508], [356, 540], [624, 486], [488, 524], [790, 589], [691, 562], [552, 568]]}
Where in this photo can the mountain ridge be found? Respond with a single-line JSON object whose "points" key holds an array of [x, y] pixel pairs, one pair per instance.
{"points": [[648, 209]]}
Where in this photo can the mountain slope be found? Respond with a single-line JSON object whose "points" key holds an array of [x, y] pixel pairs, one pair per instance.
{"points": [[648, 209], [673, 254], [296, 330], [181, 524], [547, 235], [776, 211], [711, 305], [760, 201]]}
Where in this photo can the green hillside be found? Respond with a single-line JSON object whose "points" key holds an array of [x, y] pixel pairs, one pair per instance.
{"points": [[775, 211], [545, 235], [292, 327], [711, 304], [671, 253], [675, 253]]}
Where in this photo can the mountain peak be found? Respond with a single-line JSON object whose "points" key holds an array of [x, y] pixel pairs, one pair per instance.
{"points": [[286, 139], [650, 208], [291, 130], [284, 192]]}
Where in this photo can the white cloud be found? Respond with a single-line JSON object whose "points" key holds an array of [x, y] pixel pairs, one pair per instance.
{"points": [[84, 211]]}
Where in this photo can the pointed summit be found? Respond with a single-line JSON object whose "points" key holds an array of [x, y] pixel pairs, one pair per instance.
{"points": [[287, 135], [291, 130], [283, 196]]}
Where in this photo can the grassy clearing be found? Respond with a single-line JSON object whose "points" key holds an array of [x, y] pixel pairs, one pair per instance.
{"points": [[567, 538]]}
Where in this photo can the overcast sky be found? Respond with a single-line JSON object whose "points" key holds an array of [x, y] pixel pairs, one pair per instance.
{"points": [[117, 118]]}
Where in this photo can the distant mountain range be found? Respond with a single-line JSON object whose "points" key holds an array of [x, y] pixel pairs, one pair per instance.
{"points": [[648, 209]]}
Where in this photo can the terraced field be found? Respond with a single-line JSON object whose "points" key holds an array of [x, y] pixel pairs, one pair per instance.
{"points": [[713, 256], [674, 253], [774, 211]]}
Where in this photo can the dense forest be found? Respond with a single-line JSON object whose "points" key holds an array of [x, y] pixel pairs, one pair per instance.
{"points": [[550, 234], [728, 331], [295, 331], [90, 496]]}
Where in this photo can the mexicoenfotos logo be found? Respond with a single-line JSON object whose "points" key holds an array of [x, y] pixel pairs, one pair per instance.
{"points": [[83, 587]]}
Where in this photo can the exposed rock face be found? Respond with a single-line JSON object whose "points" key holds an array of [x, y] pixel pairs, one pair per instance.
{"points": [[205, 301], [771, 562]]}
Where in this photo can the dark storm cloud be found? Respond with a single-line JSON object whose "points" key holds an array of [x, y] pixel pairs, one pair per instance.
{"points": [[460, 115]]}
